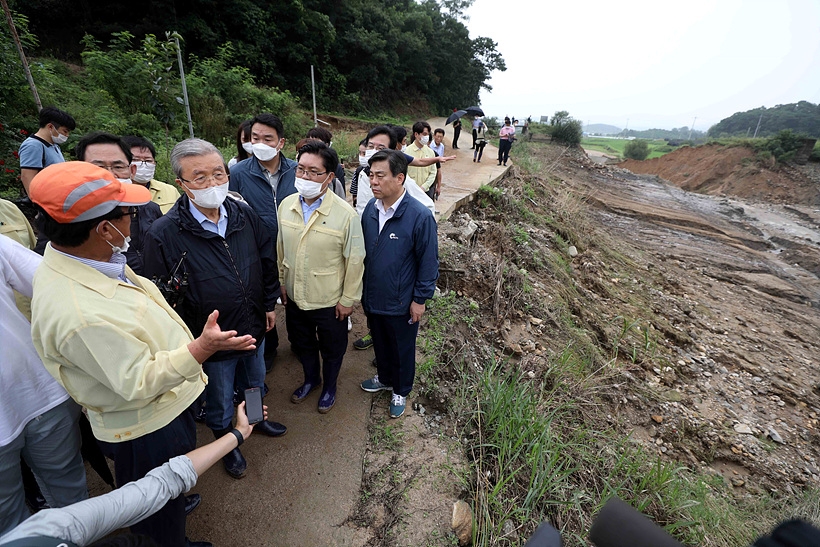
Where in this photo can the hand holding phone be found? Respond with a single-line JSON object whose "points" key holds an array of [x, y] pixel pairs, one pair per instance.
{"points": [[253, 405]]}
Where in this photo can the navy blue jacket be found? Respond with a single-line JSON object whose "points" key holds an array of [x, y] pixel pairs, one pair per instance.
{"points": [[248, 178], [236, 275], [401, 263], [146, 215]]}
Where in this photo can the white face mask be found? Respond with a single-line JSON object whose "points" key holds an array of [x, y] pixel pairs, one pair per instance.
{"points": [[126, 241], [210, 198], [369, 154], [124, 181], [403, 147], [59, 138], [263, 152], [145, 171], [425, 139], [363, 159], [308, 189], [248, 147]]}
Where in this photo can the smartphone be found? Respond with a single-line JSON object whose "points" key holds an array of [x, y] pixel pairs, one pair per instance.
{"points": [[253, 405]]}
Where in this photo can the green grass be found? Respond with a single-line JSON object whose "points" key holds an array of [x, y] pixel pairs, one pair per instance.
{"points": [[657, 148]]}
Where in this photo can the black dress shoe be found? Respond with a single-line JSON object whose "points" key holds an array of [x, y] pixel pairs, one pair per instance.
{"points": [[190, 543], [192, 502], [235, 463], [302, 392], [271, 429]]}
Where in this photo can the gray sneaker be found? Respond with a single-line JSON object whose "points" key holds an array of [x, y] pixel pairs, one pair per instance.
{"points": [[373, 385]]}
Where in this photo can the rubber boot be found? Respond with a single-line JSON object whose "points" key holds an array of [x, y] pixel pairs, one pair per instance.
{"points": [[234, 461]]}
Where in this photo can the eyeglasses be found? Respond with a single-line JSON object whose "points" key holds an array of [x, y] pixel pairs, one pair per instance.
{"points": [[220, 177], [301, 172], [118, 168], [372, 146], [132, 212], [140, 163]]}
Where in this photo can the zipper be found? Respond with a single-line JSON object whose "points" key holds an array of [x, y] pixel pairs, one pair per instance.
{"points": [[241, 285]]}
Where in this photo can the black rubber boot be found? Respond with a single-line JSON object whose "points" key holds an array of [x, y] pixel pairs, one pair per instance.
{"points": [[234, 461]]}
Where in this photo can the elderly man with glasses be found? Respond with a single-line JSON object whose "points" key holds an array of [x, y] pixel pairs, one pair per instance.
{"points": [[224, 251], [112, 154], [321, 263]]}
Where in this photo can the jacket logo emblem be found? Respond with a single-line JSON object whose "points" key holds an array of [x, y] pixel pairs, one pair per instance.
{"points": [[393, 236]]}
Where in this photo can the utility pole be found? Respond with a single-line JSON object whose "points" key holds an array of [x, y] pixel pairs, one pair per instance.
{"points": [[758, 126], [184, 87], [313, 87], [691, 128], [23, 59]]}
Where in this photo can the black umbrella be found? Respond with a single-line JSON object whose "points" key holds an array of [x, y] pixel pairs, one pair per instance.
{"points": [[475, 111], [454, 116]]}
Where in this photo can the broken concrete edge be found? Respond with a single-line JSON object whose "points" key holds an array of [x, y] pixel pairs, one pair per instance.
{"points": [[470, 197]]}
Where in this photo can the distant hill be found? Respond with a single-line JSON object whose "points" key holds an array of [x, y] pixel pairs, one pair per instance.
{"points": [[800, 117], [602, 129]]}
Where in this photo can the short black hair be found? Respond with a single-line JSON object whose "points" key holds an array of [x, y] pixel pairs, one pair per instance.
{"points": [[363, 142], [132, 141], [320, 133], [420, 126], [101, 137], [383, 130], [394, 158], [76, 233], [59, 118], [329, 157], [438, 130], [271, 121], [400, 132]]}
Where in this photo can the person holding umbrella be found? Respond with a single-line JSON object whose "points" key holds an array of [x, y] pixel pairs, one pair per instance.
{"points": [[456, 131]]}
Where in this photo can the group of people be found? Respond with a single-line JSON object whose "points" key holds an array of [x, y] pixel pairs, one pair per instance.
{"points": [[148, 303], [506, 137]]}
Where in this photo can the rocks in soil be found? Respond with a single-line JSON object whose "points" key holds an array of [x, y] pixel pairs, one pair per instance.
{"points": [[463, 523]]}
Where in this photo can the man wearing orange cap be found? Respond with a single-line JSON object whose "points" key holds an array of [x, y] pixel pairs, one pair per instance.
{"points": [[108, 336]]}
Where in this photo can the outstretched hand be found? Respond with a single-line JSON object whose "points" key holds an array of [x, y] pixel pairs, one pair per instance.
{"points": [[242, 420], [214, 339], [445, 159]]}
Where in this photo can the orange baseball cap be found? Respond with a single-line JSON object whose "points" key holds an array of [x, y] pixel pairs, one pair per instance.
{"points": [[76, 191]]}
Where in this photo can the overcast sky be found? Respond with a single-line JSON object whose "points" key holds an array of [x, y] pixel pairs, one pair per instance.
{"points": [[656, 64]]}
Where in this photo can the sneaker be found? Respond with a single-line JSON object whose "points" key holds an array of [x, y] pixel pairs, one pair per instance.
{"points": [[397, 405], [364, 342], [349, 324], [373, 385]]}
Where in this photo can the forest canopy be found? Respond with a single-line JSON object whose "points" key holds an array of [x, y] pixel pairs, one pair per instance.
{"points": [[802, 118], [368, 54]]}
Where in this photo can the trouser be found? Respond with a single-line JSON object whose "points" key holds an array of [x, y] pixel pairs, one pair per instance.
{"points": [[479, 150], [271, 342], [475, 136], [244, 372], [50, 444], [135, 458], [315, 333], [394, 343], [504, 150], [456, 133], [431, 192]]}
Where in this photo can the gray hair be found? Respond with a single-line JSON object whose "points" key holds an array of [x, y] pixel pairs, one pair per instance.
{"points": [[191, 147]]}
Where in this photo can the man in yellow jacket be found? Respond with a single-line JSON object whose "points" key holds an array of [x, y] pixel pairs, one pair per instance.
{"points": [[108, 336], [320, 252]]}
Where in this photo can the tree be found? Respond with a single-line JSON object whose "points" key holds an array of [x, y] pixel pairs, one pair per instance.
{"points": [[565, 129], [637, 150]]}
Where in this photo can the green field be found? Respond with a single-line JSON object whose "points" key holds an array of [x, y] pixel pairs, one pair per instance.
{"points": [[615, 147]]}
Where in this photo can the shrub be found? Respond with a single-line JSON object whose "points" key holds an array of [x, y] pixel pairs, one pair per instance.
{"points": [[637, 149], [566, 129], [784, 145]]}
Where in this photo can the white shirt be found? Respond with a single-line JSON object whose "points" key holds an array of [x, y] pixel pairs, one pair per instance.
{"points": [[27, 390], [366, 194], [385, 215]]}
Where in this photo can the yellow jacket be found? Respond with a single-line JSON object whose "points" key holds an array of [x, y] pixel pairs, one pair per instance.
{"points": [[118, 349], [14, 224], [321, 263], [424, 176], [163, 194]]}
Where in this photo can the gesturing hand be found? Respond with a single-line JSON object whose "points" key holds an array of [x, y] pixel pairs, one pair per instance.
{"points": [[214, 339]]}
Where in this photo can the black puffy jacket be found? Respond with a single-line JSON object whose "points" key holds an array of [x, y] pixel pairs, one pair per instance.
{"points": [[236, 275]]}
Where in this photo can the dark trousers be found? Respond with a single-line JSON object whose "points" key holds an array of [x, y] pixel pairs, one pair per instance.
{"points": [[394, 343], [479, 150], [504, 150], [314, 334], [475, 136], [456, 133], [134, 459], [271, 342]]}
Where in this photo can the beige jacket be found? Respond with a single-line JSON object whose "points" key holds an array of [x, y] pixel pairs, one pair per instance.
{"points": [[118, 349]]}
